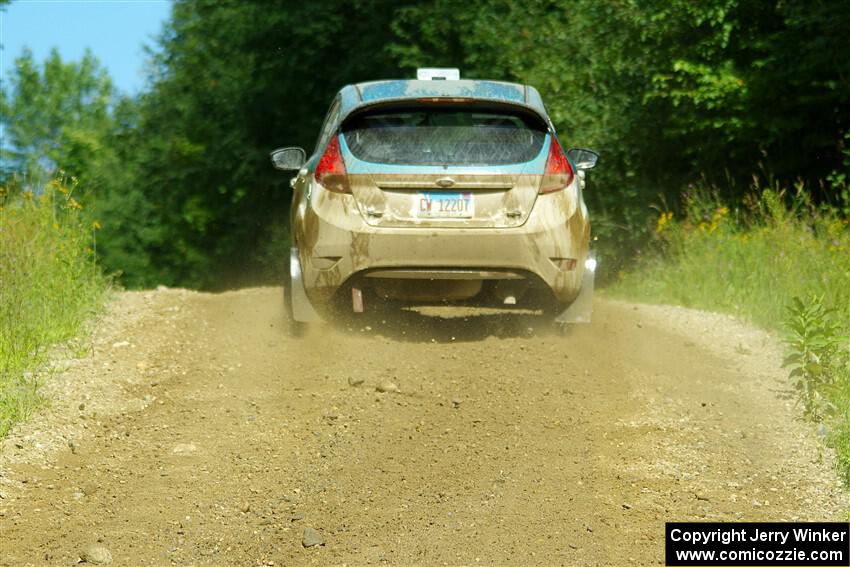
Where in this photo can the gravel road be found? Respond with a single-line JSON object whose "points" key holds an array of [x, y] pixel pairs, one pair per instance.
{"points": [[197, 432]]}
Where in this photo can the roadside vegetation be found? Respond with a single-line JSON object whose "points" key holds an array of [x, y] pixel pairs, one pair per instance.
{"points": [[778, 259], [50, 284]]}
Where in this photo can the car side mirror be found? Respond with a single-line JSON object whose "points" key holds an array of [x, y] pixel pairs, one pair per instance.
{"points": [[583, 159], [288, 159]]}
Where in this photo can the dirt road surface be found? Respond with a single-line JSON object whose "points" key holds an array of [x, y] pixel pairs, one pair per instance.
{"points": [[198, 432]]}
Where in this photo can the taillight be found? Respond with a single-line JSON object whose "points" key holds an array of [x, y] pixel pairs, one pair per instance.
{"points": [[330, 172], [558, 173]]}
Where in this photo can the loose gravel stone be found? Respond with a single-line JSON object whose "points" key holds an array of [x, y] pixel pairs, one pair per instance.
{"points": [[96, 555], [311, 538], [387, 387], [184, 449]]}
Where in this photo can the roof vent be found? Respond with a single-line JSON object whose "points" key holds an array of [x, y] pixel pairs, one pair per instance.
{"points": [[434, 74]]}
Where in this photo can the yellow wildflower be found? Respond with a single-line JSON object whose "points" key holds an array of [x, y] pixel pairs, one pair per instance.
{"points": [[663, 219], [96, 225]]}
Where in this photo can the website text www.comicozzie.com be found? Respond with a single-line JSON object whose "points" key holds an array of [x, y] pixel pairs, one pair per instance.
{"points": [[759, 555]]}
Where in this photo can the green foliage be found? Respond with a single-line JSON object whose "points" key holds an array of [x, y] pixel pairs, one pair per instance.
{"points": [[49, 284], [817, 341], [749, 259], [839, 179]]}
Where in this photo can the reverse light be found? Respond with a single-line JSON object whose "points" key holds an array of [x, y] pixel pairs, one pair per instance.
{"points": [[558, 173], [330, 172]]}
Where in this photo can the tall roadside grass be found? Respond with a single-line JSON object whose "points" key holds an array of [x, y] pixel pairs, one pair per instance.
{"points": [[49, 285], [780, 261]]}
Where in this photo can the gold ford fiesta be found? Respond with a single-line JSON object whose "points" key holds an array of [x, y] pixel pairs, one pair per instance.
{"points": [[438, 190]]}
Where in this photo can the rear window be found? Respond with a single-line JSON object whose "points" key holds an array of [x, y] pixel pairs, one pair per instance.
{"points": [[444, 136]]}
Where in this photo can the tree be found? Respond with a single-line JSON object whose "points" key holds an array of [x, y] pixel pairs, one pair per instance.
{"points": [[57, 116]]}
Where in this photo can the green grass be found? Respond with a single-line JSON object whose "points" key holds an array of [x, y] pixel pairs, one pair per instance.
{"points": [[49, 286], [749, 261], [777, 260]]}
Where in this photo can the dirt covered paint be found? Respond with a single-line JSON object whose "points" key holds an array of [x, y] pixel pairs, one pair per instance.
{"points": [[390, 200], [338, 239]]}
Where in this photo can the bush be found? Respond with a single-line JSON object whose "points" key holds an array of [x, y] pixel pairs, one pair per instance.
{"points": [[49, 284]]}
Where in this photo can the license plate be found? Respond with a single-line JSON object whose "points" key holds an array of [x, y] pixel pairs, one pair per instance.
{"points": [[433, 205]]}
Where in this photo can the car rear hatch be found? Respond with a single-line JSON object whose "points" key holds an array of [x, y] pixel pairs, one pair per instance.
{"points": [[444, 165]]}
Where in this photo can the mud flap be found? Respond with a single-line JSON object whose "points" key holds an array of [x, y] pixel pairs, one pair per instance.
{"points": [[581, 308], [302, 309]]}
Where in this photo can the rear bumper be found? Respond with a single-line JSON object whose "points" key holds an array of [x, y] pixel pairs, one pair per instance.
{"points": [[336, 247]]}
